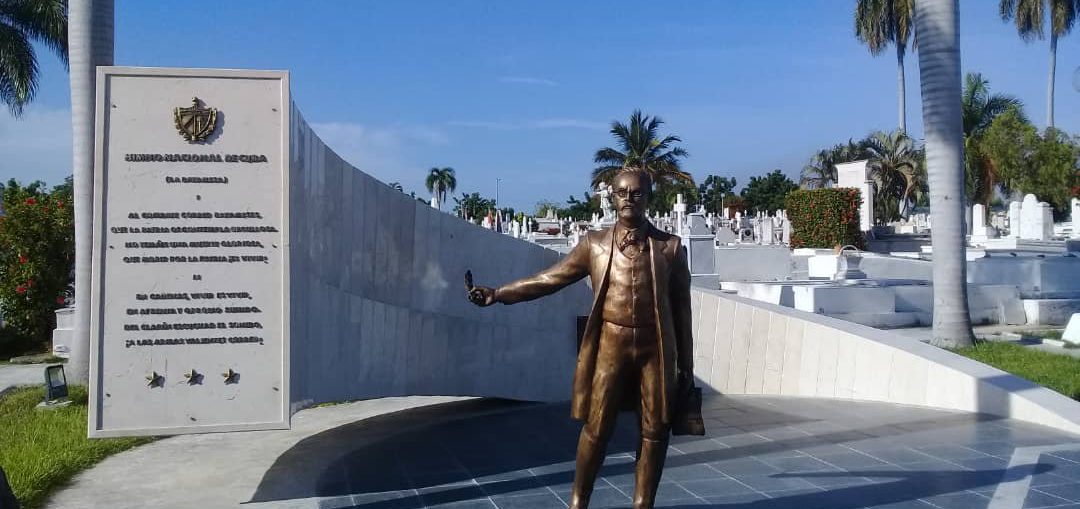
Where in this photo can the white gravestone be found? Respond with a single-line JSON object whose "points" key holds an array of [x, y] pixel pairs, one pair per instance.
{"points": [[189, 330], [1014, 219], [979, 231], [1033, 220], [1074, 206], [856, 175]]}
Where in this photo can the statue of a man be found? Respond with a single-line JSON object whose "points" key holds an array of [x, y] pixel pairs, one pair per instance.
{"points": [[637, 349]]}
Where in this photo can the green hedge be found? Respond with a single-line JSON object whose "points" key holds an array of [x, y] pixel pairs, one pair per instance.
{"points": [[825, 218]]}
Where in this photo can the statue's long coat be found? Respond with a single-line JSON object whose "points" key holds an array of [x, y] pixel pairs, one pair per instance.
{"points": [[671, 291]]}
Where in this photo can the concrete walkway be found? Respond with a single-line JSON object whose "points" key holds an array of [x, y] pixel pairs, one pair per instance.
{"points": [[761, 452], [12, 375]]}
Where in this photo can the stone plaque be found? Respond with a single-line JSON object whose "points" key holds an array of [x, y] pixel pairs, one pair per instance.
{"points": [[190, 313]]}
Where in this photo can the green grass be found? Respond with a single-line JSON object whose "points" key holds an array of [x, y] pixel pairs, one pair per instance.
{"points": [[40, 450], [1055, 371]]}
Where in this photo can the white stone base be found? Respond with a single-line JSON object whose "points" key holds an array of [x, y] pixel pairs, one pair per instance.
{"points": [[1050, 311], [881, 320], [1072, 330]]}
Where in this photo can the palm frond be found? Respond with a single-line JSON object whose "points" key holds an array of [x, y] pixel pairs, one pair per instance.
{"points": [[18, 69]]}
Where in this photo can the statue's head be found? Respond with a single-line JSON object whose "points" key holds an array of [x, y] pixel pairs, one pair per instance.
{"points": [[632, 189]]}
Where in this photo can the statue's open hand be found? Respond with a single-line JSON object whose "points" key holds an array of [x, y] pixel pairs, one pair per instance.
{"points": [[479, 295]]}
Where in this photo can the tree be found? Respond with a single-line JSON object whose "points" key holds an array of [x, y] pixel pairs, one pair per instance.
{"points": [[23, 22], [666, 195], [894, 167], [440, 182], [543, 206], [879, 23], [473, 206], [1054, 174], [581, 209], [641, 147], [1030, 16], [980, 108], [821, 170], [938, 26], [37, 255], [90, 38], [1009, 145], [1045, 166], [767, 193], [715, 191]]}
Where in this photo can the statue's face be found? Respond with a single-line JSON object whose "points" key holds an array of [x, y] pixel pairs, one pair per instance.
{"points": [[631, 196]]}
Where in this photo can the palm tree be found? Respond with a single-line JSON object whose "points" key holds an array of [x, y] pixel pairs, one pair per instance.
{"points": [[879, 23], [938, 25], [980, 108], [441, 181], [1030, 16], [820, 172], [21, 23], [90, 34], [643, 149], [894, 167]]}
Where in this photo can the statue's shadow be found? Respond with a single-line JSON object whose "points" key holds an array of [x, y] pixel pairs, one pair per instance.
{"points": [[434, 446]]}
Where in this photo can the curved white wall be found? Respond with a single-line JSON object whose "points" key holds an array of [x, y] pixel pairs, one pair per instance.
{"points": [[743, 346], [378, 309], [378, 303]]}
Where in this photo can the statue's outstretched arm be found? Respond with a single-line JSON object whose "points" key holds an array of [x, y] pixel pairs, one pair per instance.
{"points": [[567, 271]]}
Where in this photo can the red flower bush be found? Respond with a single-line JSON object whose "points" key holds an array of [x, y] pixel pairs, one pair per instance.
{"points": [[825, 218], [37, 253]]}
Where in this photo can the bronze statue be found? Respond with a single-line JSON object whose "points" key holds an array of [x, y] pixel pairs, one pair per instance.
{"points": [[637, 349]]}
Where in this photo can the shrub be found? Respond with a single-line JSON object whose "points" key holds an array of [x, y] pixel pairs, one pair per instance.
{"points": [[37, 253], [825, 218]]}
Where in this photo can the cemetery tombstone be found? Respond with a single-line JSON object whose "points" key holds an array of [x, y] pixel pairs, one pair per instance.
{"points": [[1014, 219], [1033, 219], [1074, 206]]}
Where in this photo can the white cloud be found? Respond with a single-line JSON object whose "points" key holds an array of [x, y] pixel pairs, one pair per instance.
{"points": [[36, 146], [381, 151], [526, 80], [550, 123], [557, 123]]}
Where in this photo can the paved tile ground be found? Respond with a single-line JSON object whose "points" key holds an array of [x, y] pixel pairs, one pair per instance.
{"points": [[760, 452], [12, 375]]}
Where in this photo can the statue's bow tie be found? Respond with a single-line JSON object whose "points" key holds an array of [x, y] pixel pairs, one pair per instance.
{"points": [[630, 238]]}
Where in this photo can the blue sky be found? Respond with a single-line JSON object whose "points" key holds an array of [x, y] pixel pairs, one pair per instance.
{"points": [[525, 91]]}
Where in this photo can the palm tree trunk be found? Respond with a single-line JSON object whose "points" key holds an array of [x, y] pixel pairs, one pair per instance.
{"points": [[90, 44], [901, 87], [937, 24], [1050, 84]]}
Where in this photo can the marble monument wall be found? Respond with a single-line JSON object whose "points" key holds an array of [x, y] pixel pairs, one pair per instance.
{"points": [[243, 270], [378, 299]]}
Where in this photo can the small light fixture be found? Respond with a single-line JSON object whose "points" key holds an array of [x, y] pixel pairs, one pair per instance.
{"points": [[56, 390]]}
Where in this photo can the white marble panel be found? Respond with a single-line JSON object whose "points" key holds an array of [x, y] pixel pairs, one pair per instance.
{"points": [[740, 349], [792, 369], [774, 353], [759, 342]]}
